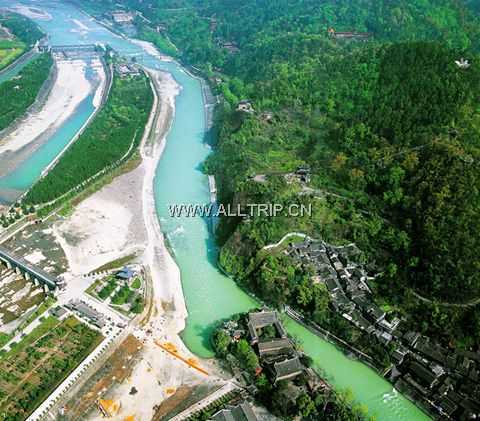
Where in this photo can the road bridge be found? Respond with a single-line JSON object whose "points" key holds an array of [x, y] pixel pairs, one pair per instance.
{"points": [[29, 271]]}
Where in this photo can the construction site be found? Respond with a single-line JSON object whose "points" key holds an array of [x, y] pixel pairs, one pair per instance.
{"points": [[93, 396]]}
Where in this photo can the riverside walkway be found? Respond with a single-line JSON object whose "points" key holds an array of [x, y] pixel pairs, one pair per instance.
{"points": [[227, 389]]}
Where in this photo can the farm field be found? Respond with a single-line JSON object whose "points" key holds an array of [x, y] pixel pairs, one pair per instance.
{"points": [[17, 34], [35, 366], [9, 51]]}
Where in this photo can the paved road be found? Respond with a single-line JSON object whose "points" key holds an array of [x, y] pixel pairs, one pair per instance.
{"points": [[290, 234]]}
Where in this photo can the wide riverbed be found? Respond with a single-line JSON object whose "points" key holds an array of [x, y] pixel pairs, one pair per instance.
{"points": [[211, 296]]}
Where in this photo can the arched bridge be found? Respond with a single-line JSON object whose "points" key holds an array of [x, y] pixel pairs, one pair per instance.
{"points": [[22, 267]]}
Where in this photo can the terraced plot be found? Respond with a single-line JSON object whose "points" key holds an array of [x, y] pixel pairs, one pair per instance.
{"points": [[124, 296]]}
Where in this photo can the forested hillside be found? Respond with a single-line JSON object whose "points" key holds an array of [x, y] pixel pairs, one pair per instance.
{"points": [[388, 126], [200, 27]]}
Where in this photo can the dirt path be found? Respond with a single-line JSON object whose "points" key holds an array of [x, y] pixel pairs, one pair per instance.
{"points": [[468, 304]]}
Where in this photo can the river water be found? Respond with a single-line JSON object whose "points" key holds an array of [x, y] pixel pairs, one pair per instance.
{"points": [[29, 170], [210, 296]]}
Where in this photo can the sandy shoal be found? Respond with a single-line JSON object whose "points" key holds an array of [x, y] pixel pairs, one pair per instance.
{"points": [[71, 87], [31, 12], [121, 218]]}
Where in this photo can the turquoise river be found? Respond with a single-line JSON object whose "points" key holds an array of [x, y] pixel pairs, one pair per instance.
{"points": [[209, 294]]}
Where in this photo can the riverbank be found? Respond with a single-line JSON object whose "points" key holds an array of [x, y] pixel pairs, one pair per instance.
{"points": [[70, 87], [120, 220], [39, 102], [10, 70]]}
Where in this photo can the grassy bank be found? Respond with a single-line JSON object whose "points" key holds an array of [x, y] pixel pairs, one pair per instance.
{"points": [[23, 89], [17, 34]]}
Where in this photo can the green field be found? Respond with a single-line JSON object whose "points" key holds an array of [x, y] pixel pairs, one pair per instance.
{"points": [[17, 33], [137, 283], [107, 289], [10, 51], [122, 296], [34, 367]]}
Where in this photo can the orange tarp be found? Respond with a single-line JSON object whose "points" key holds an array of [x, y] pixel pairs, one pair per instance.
{"points": [[171, 349]]}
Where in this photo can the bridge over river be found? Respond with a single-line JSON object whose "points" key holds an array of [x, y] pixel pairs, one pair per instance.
{"points": [[29, 271]]}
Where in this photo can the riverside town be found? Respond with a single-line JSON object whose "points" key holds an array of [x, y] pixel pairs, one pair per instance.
{"points": [[251, 210]]}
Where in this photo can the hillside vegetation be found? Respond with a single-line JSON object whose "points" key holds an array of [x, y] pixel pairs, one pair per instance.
{"points": [[22, 28], [389, 128]]}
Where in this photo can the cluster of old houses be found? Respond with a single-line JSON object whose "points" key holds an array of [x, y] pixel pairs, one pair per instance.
{"points": [[240, 412], [446, 382], [277, 354], [245, 106], [301, 175], [346, 281], [278, 357]]}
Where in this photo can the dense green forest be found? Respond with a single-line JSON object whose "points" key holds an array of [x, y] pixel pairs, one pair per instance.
{"points": [[24, 29], [23, 89], [106, 140], [198, 27], [389, 128]]}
